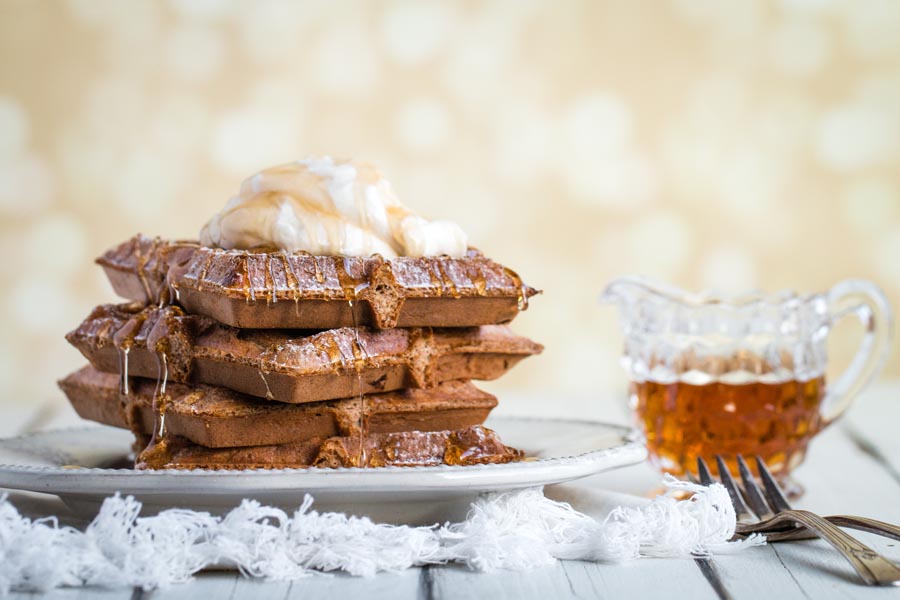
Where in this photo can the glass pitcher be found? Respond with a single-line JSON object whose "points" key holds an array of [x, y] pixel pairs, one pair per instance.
{"points": [[742, 375]]}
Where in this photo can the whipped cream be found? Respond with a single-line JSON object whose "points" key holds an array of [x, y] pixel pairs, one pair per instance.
{"points": [[328, 207]]}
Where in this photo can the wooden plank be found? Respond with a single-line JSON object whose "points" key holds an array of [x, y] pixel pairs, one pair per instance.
{"points": [[873, 424], [231, 585], [78, 594], [807, 569], [757, 573], [575, 579], [841, 478], [838, 478], [455, 581], [340, 585], [211, 585], [713, 577], [644, 578]]}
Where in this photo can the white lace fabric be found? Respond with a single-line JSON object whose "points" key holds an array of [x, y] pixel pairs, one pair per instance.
{"points": [[512, 530]]}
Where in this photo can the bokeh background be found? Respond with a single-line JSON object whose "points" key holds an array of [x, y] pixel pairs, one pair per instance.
{"points": [[733, 145]]}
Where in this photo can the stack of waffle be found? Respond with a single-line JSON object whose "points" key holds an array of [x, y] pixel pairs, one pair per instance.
{"points": [[265, 359]]}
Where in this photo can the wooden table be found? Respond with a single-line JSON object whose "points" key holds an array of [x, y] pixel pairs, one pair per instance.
{"points": [[854, 467]]}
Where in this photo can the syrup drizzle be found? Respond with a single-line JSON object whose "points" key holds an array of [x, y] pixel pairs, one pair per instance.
{"points": [[446, 280], [122, 341], [522, 294], [318, 270], [124, 385], [478, 280], [436, 280], [262, 375], [203, 271], [128, 409], [160, 398], [348, 284], [249, 293], [326, 344], [289, 274], [359, 355], [141, 262], [270, 283], [268, 361], [156, 453]]}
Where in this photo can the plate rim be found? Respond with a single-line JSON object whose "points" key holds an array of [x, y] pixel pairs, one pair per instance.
{"points": [[382, 484], [630, 444]]}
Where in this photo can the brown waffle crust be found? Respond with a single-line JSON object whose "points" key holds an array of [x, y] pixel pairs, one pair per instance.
{"points": [[291, 366], [469, 446], [266, 289], [216, 417]]}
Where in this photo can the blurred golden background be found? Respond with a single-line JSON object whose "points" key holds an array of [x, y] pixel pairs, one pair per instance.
{"points": [[716, 144]]}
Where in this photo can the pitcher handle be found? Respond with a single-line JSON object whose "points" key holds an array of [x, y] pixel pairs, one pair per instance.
{"points": [[865, 300]]}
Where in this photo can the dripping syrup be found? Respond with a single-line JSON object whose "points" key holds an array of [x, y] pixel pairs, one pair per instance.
{"points": [[289, 275], [124, 386], [478, 281], [160, 398], [318, 270], [436, 280], [522, 293], [156, 454], [446, 280], [204, 271], [358, 358], [270, 281], [249, 292], [347, 282], [123, 339], [141, 260], [166, 294], [128, 409], [262, 375]]}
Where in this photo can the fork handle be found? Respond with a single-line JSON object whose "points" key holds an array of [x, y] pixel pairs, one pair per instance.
{"points": [[871, 566], [866, 524], [778, 533]]}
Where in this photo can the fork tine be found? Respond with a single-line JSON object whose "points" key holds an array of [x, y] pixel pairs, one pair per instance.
{"points": [[740, 507], [776, 497], [754, 494], [703, 472]]}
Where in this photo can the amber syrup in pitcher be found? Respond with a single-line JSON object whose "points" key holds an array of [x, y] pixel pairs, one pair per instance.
{"points": [[772, 419]]}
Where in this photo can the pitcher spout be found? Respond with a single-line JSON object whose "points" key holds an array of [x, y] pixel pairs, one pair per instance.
{"points": [[634, 288]]}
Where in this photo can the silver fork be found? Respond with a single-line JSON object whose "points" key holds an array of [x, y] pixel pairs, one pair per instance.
{"points": [[777, 501], [775, 517]]}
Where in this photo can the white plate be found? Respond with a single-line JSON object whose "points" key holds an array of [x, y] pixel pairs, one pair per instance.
{"points": [[78, 465]]}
